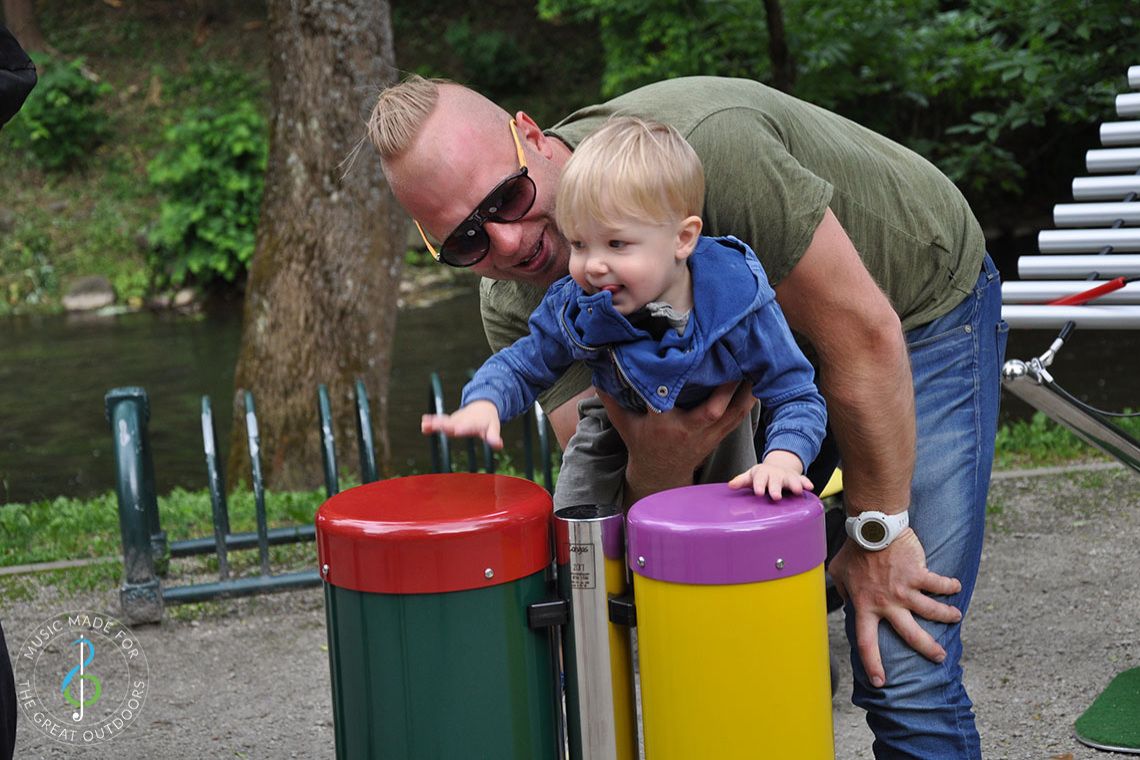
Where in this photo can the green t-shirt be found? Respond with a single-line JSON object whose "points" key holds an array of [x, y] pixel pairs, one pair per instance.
{"points": [[773, 164]]}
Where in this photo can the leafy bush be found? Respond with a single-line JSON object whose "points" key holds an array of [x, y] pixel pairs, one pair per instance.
{"points": [[61, 124], [492, 61], [211, 176], [992, 91], [27, 276]]}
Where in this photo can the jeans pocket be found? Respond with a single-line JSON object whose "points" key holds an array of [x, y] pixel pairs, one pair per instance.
{"points": [[1002, 340]]}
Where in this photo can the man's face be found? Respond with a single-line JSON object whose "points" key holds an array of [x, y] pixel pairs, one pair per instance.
{"points": [[451, 167]]}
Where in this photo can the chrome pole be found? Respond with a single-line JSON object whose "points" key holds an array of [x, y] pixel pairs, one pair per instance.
{"points": [[1031, 382], [597, 654]]}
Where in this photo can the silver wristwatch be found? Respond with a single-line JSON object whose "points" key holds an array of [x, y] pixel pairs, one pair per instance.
{"points": [[874, 531]]}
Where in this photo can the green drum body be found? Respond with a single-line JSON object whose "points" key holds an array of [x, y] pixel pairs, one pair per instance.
{"points": [[428, 580]]}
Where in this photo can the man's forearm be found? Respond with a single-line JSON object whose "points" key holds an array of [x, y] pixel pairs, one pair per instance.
{"points": [[870, 399]]}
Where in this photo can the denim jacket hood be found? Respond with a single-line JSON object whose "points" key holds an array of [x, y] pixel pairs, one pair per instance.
{"points": [[658, 370]]}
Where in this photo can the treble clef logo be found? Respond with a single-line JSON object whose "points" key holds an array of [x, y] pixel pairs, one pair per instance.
{"points": [[80, 670]]}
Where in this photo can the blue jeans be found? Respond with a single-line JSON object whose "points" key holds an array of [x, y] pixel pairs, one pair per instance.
{"points": [[923, 710]]}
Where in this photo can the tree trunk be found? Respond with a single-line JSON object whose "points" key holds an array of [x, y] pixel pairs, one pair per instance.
{"points": [[320, 304], [20, 18], [783, 68]]}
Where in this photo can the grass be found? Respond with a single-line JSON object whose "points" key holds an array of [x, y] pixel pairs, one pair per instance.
{"points": [[1040, 442], [65, 528], [79, 529]]}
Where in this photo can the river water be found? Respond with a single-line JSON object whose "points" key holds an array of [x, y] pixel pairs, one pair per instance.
{"points": [[55, 371]]}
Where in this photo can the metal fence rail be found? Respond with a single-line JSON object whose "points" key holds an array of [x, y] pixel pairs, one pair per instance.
{"points": [[480, 455], [146, 551]]}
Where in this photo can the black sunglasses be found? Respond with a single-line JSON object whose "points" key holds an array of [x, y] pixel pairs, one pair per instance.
{"points": [[511, 199]]}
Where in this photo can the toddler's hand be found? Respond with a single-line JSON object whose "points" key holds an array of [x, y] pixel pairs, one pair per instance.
{"points": [[771, 479], [479, 419]]}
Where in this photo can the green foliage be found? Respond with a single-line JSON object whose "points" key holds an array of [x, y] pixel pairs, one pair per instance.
{"points": [[993, 91], [211, 175], [61, 122], [66, 528], [1040, 441], [26, 272], [491, 59]]}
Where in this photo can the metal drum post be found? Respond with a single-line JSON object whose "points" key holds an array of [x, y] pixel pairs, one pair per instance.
{"points": [[731, 624], [429, 581], [601, 712]]}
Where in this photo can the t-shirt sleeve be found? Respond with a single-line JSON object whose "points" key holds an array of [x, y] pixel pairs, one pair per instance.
{"points": [[506, 308], [756, 189]]}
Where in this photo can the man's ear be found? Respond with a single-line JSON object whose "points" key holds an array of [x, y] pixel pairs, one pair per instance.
{"points": [[530, 132], [687, 236]]}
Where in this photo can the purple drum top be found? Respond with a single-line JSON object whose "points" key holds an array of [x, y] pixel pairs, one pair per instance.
{"points": [[713, 535]]}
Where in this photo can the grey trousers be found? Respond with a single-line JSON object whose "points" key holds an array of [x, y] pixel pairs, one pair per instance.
{"points": [[593, 464]]}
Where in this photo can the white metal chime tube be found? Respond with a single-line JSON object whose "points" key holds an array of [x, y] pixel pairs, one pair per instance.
{"points": [[1044, 291], [1077, 267], [1094, 214]]}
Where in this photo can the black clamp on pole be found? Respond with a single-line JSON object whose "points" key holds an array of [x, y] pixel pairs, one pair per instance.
{"points": [[547, 614], [623, 611]]}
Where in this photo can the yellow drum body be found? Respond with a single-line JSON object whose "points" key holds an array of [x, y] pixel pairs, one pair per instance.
{"points": [[732, 625]]}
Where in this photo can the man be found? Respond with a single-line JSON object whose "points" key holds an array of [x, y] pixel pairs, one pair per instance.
{"points": [[877, 262], [17, 77]]}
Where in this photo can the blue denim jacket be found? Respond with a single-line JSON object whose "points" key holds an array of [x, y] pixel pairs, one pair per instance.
{"points": [[736, 331]]}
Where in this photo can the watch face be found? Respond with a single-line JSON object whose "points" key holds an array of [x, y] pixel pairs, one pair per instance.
{"points": [[873, 531]]}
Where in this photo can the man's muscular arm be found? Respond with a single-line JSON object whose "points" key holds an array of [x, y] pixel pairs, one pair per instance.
{"points": [[865, 376]]}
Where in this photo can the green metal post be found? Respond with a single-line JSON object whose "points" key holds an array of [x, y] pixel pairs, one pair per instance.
{"points": [[440, 451], [544, 447], [127, 412], [368, 471], [218, 505], [328, 441], [258, 486]]}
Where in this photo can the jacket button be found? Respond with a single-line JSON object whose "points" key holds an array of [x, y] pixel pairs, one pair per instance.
{"points": [[662, 391], [589, 309]]}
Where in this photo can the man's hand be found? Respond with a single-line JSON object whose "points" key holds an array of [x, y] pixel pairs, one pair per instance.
{"points": [[479, 419], [665, 449], [889, 585]]}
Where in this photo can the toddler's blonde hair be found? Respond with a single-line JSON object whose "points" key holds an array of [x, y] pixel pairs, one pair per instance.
{"points": [[630, 169]]}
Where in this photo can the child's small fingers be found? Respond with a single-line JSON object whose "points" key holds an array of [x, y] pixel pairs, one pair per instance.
{"points": [[807, 484], [740, 480]]}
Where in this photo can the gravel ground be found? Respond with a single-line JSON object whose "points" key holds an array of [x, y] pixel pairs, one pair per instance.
{"points": [[1056, 615]]}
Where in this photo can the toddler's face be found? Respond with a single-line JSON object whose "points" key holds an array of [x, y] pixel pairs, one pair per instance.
{"points": [[637, 262]]}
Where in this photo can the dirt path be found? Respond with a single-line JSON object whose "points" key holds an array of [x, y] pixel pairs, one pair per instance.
{"points": [[1056, 615]]}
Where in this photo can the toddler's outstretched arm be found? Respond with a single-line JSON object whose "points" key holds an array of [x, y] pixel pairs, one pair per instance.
{"points": [[780, 470], [479, 419]]}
